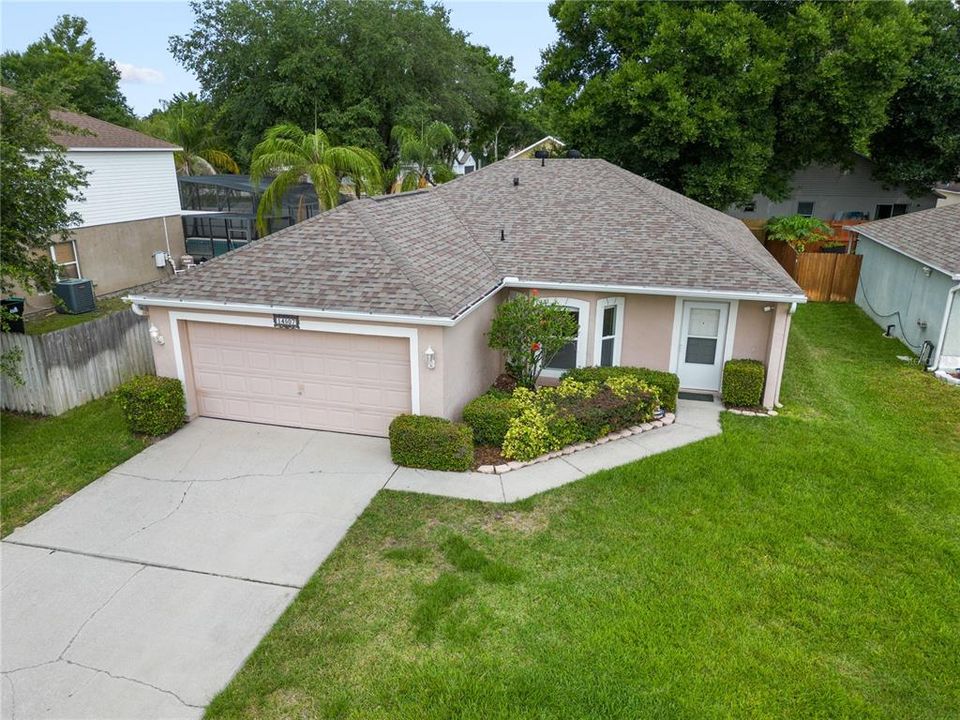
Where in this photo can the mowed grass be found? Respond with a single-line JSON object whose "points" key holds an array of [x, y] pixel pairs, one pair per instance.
{"points": [[45, 459], [794, 567], [53, 320]]}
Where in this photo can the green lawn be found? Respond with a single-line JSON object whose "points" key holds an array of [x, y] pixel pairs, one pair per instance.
{"points": [[800, 566], [45, 459], [59, 321]]}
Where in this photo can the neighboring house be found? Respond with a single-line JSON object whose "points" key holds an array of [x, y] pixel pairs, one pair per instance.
{"points": [[910, 279], [130, 209], [382, 306], [947, 193], [548, 143], [832, 192], [220, 211], [464, 163]]}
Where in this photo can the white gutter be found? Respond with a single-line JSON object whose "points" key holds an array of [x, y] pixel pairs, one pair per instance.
{"points": [[951, 296], [508, 282], [259, 309], [655, 290]]}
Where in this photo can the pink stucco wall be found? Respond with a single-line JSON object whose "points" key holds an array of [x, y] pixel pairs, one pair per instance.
{"points": [[752, 336], [469, 366]]}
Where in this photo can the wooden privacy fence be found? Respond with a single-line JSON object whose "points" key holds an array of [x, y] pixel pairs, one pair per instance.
{"points": [[824, 277], [69, 367]]}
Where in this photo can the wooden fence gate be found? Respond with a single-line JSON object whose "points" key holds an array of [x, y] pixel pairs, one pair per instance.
{"points": [[824, 277]]}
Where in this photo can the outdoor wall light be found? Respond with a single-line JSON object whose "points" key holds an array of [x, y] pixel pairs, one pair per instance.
{"points": [[156, 336], [767, 308], [926, 271], [431, 357]]}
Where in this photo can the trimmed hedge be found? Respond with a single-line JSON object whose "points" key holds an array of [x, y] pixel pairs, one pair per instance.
{"points": [[667, 384], [152, 405], [489, 416], [553, 417], [433, 443], [743, 383]]}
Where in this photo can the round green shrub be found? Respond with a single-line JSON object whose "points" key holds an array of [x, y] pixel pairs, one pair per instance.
{"points": [[743, 383], [489, 416], [433, 443], [152, 405]]}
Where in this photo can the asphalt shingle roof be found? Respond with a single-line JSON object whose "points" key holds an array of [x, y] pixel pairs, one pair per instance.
{"points": [[436, 252], [930, 236], [101, 134]]}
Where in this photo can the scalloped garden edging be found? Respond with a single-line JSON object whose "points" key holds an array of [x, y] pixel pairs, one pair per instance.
{"points": [[752, 412], [667, 419]]}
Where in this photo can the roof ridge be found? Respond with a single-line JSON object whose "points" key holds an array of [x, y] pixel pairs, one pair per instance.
{"points": [[429, 295], [694, 220]]}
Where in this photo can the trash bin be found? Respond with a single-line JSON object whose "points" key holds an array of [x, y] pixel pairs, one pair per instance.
{"points": [[13, 317]]}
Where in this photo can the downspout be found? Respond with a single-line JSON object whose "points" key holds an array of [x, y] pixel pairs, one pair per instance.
{"points": [[166, 237], [951, 296]]}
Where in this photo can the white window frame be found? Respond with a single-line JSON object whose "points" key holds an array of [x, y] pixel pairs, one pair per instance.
{"points": [[76, 257], [598, 337], [583, 331], [811, 203]]}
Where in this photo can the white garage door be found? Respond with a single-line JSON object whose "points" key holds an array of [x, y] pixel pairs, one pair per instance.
{"points": [[326, 381]]}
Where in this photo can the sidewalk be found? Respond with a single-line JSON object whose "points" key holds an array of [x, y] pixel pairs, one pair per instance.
{"points": [[695, 421]]}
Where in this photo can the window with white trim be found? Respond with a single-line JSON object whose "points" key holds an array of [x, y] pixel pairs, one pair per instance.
{"points": [[574, 353], [805, 208], [65, 256], [609, 332]]}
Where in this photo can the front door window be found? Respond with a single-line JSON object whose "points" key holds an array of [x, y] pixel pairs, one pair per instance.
{"points": [[702, 339]]}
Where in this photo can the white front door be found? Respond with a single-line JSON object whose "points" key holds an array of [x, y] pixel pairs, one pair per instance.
{"points": [[702, 338]]}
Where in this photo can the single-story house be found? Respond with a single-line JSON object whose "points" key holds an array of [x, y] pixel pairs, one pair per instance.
{"points": [[130, 209], [910, 279], [382, 306], [835, 192]]}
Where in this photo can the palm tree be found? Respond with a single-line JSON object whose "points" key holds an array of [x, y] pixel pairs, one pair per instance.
{"points": [[184, 122], [293, 156], [423, 154]]}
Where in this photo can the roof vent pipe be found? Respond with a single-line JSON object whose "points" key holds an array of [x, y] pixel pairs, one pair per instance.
{"points": [[516, 182], [502, 236]]}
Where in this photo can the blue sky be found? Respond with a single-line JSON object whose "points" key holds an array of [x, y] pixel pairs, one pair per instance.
{"points": [[134, 35]]}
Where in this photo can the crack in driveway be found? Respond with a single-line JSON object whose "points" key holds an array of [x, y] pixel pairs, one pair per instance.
{"points": [[134, 680]]}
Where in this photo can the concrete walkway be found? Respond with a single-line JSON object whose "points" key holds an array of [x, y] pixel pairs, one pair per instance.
{"points": [[695, 421], [141, 595]]}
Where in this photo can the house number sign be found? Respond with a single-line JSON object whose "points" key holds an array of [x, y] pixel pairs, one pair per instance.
{"points": [[287, 322]]}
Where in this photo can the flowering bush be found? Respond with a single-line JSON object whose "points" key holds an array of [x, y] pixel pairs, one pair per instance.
{"points": [[530, 332], [553, 417]]}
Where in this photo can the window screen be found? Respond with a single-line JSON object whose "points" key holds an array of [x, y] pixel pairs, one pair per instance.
{"points": [[567, 357]]}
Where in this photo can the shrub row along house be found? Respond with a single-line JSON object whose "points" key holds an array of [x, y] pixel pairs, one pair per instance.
{"points": [[382, 306]]}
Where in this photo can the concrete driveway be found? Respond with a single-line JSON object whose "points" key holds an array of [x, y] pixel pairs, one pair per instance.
{"points": [[141, 595]]}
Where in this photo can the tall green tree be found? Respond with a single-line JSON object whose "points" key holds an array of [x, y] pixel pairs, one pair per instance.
{"points": [[354, 68], [38, 183], [920, 145], [293, 156], [187, 121], [65, 68], [723, 100], [424, 154]]}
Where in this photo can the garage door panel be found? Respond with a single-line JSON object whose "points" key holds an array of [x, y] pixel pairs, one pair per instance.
{"points": [[327, 381]]}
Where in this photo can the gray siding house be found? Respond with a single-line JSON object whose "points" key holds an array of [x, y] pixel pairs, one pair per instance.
{"points": [[910, 280], [831, 192]]}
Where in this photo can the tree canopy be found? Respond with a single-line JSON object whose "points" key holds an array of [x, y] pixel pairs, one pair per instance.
{"points": [[38, 182], [921, 143], [187, 121], [356, 69], [65, 68], [723, 100]]}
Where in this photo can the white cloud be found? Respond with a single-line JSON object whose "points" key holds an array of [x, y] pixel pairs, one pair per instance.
{"points": [[140, 75]]}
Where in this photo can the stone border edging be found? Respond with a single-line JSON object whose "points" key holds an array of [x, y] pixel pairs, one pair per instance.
{"points": [[667, 419], [752, 413]]}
